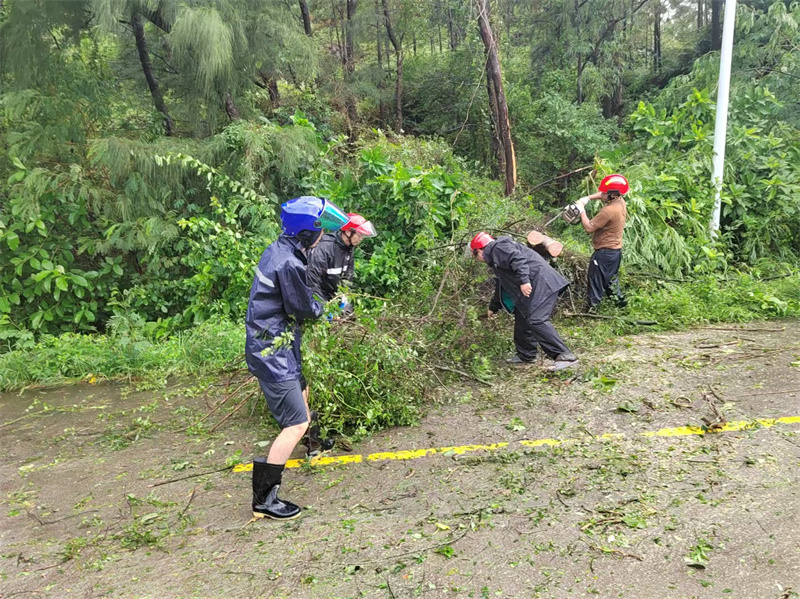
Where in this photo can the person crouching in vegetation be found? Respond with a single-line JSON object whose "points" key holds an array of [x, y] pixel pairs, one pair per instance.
{"points": [[527, 286], [606, 230], [331, 263], [279, 300]]}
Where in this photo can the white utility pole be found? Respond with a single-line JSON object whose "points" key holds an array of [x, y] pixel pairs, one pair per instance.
{"points": [[723, 93]]}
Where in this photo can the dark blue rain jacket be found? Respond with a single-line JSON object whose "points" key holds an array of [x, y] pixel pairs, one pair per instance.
{"points": [[279, 300]]}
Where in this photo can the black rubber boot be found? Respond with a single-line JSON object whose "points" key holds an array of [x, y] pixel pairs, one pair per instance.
{"points": [[266, 483], [315, 445]]}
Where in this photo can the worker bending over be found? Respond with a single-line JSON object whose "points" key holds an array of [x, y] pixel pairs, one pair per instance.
{"points": [[528, 287]]}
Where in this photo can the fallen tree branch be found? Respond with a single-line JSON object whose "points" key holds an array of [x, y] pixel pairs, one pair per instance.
{"points": [[540, 185], [175, 480], [232, 412], [462, 373], [742, 329], [648, 323], [586, 315]]}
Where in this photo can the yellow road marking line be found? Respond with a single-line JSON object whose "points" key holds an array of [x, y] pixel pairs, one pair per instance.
{"points": [[414, 454]]}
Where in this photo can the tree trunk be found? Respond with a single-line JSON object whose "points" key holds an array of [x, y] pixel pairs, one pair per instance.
{"points": [[657, 38], [716, 29], [378, 42], [497, 157], [350, 61], [230, 107], [306, 17], [398, 53], [579, 70], [272, 90], [700, 11], [450, 30], [147, 67], [495, 72]]}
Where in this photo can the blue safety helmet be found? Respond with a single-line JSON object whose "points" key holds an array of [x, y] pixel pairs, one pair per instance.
{"points": [[309, 213]]}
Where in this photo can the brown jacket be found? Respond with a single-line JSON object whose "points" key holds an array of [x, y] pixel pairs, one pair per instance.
{"points": [[607, 225]]}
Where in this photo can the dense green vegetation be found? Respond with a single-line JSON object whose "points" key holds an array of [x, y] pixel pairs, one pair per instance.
{"points": [[148, 144]]}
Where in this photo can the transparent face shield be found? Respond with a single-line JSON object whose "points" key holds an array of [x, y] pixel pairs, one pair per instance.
{"points": [[332, 217], [468, 253], [366, 229]]}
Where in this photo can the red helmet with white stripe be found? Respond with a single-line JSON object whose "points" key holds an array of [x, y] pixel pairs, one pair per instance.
{"points": [[614, 183], [359, 224]]}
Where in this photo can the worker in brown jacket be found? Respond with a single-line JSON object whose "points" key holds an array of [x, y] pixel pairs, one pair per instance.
{"points": [[606, 231]]}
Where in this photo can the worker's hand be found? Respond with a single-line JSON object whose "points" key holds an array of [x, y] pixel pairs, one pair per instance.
{"points": [[581, 204], [490, 314], [526, 289]]}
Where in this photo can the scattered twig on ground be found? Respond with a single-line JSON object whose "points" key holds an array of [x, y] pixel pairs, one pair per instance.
{"points": [[175, 480], [225, 398], [719, 419], [45, 523], [612, 550], [233, 411], [646, 323], [586, 315], [767, 393], [56, 565], [53, 410], [462, 373], [743, 329], [188, 503], [389, 587], [558, 496]]}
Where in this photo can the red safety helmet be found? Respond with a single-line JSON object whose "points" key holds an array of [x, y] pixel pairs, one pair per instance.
{"points": [[359, 224], [614, 183], [480, 241]]}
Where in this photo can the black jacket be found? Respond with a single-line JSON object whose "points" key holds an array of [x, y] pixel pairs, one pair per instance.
{"points": [[515, 264], [330, 264], [279, 301]]}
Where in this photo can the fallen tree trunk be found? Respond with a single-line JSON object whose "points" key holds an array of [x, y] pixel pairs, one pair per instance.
{"points": [[547, 246]]}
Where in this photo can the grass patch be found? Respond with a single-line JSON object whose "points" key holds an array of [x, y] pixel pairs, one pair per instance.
{"points": [[201, 350]]}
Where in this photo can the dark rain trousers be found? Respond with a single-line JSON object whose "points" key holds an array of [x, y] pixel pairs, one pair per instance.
{"points": [[537, 329], [604, 276]]}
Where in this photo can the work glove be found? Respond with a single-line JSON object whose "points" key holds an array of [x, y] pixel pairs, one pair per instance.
{"points": [[581, 204], [346, 307]]}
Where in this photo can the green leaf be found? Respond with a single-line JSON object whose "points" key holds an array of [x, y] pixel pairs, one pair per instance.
{"points": [[12, 239], [16, 177], [5, 305], [61, 283], [18, 163]]}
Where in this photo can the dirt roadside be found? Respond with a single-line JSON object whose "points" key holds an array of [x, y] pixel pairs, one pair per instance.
{"points": [[625, 515]]}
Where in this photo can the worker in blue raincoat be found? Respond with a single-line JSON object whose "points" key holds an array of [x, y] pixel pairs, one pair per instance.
{"points": [[280, 300]]}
